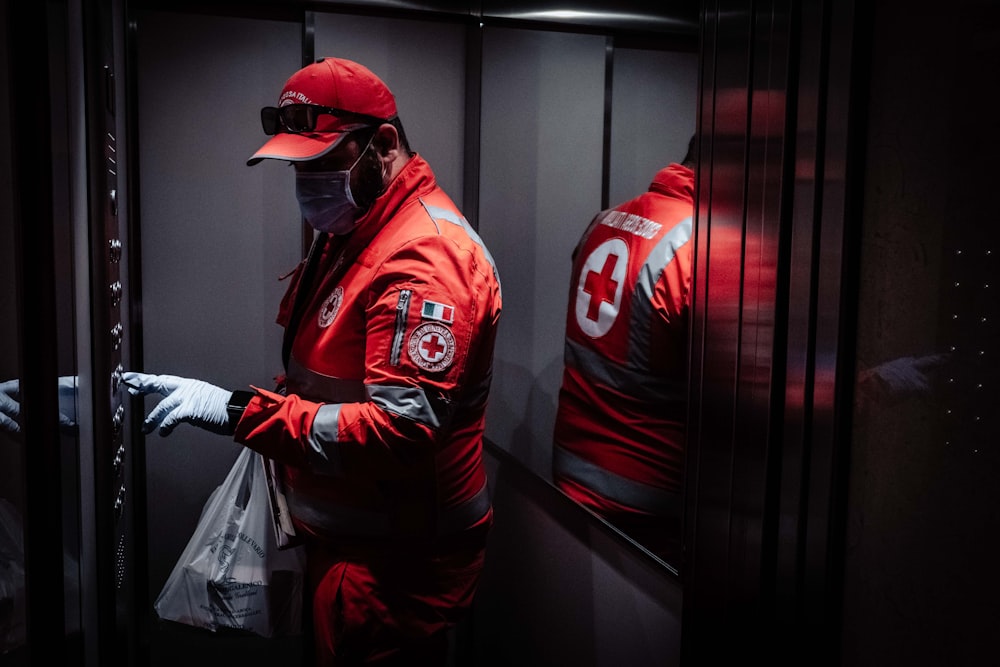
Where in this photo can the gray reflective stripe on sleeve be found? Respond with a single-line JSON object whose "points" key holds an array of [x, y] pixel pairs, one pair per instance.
{"points": [[615, 487], [411, 402], [650, 273], [402, 305], [334, 519], [323, 388], [438, 213], [632, 382], [323, 452]]}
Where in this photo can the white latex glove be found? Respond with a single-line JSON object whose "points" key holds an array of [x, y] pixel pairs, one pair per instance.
{"points": [[906, 375], [192, 401], [10, 406], [10, 403]]}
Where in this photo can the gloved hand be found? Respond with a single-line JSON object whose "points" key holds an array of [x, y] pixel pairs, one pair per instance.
{"points": [[192, 401], [10, 403], [906, 376], [10, 407]]}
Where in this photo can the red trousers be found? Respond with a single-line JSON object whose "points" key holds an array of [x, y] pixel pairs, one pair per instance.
{"points": [[389, 606]]}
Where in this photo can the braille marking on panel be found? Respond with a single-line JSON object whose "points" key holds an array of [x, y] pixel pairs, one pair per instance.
{"points": [[972, 339]]}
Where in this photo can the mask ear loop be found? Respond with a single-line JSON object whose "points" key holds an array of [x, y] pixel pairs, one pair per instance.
{"points": [[383, 172], [362, 153]]}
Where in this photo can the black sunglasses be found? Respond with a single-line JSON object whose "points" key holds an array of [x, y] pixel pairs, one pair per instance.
{"points": [[297, 118]]}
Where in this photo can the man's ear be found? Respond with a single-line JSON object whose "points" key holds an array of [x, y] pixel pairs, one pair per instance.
{"points": [[386, 140]]}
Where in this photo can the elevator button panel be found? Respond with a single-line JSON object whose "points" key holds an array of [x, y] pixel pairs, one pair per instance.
{"points": [[114, 250]]}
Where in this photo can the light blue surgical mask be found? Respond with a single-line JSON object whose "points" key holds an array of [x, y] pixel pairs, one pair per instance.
{"points": [[325, 199]]}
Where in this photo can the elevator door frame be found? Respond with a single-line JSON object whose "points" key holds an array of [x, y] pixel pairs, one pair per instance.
{"points": [[772, 360]]}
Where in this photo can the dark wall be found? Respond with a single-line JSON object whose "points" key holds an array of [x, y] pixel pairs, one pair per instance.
{"points": [[920, 577]]}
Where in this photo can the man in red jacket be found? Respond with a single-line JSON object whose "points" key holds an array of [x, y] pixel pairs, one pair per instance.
{"points": [[378, 423], [619, 432]]}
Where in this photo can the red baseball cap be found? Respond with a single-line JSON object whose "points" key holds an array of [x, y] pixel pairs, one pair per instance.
{"points": [[329, 82]]}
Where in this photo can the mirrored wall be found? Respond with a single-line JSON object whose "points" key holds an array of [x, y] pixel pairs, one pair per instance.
{"points": [[532, 128], [549, 119], [43, 458]]}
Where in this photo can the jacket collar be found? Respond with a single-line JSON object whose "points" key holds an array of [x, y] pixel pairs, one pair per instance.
{"points": [[674, 180], [413, 180]]}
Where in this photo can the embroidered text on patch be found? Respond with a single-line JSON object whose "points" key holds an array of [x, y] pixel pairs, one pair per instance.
{"points": [[632, 223], [431, 346]]}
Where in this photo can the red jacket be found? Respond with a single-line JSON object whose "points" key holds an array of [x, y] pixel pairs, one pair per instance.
{"points": [[380, 430], [619, 431]]}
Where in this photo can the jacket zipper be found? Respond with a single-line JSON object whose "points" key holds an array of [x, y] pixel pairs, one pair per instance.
{"points": [[402, 306]]}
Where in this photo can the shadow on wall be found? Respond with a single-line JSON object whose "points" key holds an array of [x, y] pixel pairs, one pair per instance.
{"points": [[561, 587], [522, 412]]}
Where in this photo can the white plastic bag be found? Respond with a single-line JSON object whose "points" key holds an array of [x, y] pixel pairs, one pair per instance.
{"points": [[232, 574]]}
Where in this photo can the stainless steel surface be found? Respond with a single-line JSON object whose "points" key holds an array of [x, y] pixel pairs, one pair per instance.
{"points": [[679, 18], [924, 443], [44, 619], [75, 467], [770, 368]]}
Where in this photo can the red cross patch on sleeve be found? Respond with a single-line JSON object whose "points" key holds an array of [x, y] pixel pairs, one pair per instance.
{"points": [[431, 346]]}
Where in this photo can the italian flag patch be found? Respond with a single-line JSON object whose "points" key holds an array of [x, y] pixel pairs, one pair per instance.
{"points": [[441, 312]]}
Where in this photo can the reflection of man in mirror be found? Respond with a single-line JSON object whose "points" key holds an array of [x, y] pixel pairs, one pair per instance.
{"points": [[619, 432]]}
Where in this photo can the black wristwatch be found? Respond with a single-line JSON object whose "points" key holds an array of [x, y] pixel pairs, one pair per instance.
{"points": [[237, 405]]}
